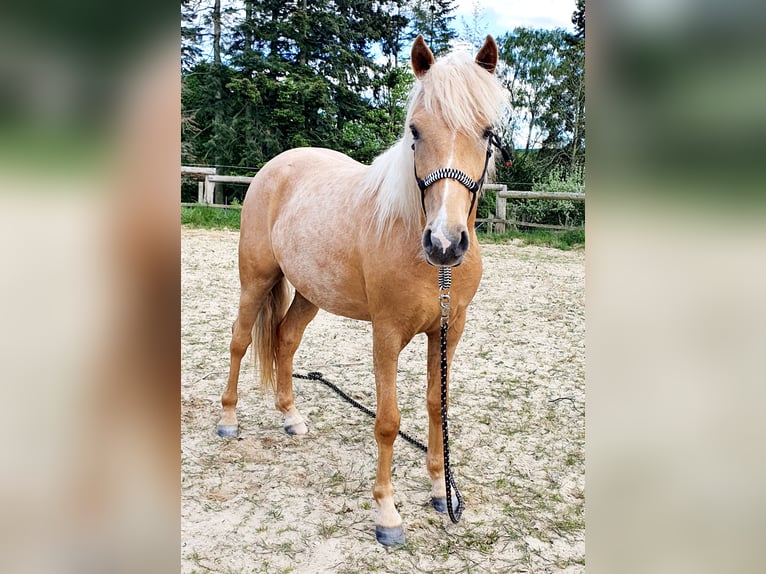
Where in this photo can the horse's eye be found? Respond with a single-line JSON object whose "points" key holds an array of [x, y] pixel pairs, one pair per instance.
{"points": [[415, 132], [487, 133]]}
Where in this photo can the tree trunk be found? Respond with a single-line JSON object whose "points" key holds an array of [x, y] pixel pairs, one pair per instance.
{"points": [[218, 94], [217, 33], [302, 58], [532, 120], [577, 121], [248, 25]]}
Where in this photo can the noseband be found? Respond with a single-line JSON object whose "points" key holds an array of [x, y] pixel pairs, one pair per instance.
{"points": [[460, 176]]}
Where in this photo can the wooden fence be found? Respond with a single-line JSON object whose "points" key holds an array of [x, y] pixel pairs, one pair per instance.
{"points": [[497, 224], [206, 186]]}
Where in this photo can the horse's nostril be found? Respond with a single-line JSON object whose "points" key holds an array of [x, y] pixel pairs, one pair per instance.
{"points": [[464, 242], [427, 245]]}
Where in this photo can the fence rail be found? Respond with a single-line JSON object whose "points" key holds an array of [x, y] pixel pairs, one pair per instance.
{"points": [[230, 179], [498, 223], [512, 194], [208, 179], [200, 171]]}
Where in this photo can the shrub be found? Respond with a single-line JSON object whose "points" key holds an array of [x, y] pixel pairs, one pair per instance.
{"points": [[556, 212]]}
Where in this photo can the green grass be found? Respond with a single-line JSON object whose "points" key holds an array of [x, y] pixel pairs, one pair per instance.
{"points": [[564, 240], [206, 217]]}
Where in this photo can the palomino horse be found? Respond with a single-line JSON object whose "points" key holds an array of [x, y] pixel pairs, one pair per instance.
{"points": [[365, 242]]}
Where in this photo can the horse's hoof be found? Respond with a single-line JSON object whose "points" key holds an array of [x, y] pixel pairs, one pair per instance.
{"points": [[228, 431], [298, 429], [389, 536], [440, 503]]}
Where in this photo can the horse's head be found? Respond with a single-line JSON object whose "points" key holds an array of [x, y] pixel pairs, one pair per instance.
{"points": [[450, 121]]}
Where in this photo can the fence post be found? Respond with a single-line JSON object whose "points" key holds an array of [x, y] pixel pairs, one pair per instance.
{"points": [[500, 214], [497, 224], [200, 191], [209, 190]]}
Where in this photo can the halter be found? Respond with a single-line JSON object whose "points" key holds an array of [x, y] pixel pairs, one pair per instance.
{"points": [[460, 176]]}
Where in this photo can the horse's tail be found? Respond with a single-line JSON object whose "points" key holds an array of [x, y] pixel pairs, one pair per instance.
{"points": [[265, 333]]}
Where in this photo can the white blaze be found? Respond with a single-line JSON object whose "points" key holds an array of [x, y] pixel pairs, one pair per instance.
{"points": [[439, 225], [437, 231]]}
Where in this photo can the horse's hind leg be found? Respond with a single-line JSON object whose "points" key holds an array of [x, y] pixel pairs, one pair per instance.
{"points": [[289, 335], [251, 299]]}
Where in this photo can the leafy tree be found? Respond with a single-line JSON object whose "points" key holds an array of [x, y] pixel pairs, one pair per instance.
{"points": [[206, 105], [532, 57], [474, 29], [565, 119], [381, 125], [545, 73]]}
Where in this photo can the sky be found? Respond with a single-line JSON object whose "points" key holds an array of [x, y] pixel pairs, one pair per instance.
{"points": [[501, 16]]}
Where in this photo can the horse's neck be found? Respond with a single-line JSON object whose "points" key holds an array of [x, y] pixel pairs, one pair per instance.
{"points": [[390, 180]]}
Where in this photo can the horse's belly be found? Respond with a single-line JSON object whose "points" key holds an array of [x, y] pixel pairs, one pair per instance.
{"points": [[329, 288]]}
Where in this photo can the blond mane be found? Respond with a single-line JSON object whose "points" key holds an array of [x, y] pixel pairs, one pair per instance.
{"points": [[467, 98]]}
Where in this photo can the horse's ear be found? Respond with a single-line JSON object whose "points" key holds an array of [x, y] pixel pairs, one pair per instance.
{"points": [[421, 58], [487, 56]]}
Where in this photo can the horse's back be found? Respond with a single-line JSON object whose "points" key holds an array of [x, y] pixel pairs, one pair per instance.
{"points": [[305, 181], [287, 171]]}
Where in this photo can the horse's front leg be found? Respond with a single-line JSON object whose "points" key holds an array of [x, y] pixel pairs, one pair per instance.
{"points": [[387, 344], [435, 455]]}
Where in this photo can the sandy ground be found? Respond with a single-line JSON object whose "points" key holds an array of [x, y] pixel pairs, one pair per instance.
{"points": [[270, 503]]}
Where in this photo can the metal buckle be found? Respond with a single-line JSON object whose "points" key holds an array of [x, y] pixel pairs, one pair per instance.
{"points": [[444, 301]]}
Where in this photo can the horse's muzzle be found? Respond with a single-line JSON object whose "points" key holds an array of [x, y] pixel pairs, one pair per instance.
{"points": [[445, 248]]}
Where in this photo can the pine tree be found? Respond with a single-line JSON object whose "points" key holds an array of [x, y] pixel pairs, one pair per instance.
{"points": [[578, 19], [433, 19], [191, 33], [295, 73]]}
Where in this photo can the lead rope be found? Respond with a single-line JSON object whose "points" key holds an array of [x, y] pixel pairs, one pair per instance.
{"points": [[445, 282], [317, 376]]}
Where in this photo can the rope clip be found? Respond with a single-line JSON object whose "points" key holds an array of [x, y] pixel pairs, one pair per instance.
{"points": [[444, 301]]}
